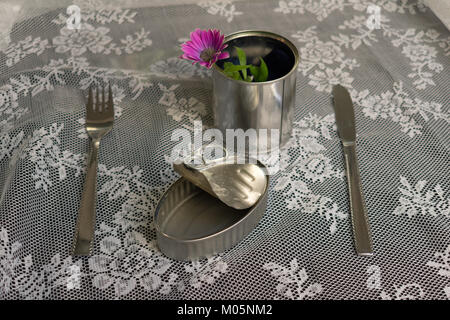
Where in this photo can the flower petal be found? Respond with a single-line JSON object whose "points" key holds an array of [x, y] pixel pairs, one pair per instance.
{"points": [[201, 40], [196, 38], [222, 37], [219, 41], [206, 42], [191, 52], [192, 44], [223, 47], [188, 57], [223, 55], [210, 38]]}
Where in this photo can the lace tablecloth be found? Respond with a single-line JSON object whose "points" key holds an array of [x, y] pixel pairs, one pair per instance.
{"points": [[398, 75]]}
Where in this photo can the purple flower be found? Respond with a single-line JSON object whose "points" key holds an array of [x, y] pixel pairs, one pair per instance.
{"points": [[205, 47]]}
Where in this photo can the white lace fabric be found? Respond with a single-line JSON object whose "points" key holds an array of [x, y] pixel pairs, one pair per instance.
{"points": [[398, 77]]}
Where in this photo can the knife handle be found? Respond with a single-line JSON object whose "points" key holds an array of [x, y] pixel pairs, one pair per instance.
{"points": [[361, 231]]}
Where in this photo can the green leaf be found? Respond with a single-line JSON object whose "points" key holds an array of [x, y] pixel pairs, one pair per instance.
{"points": [[260, 73], [236, 76], [227, 65], [263, 72], [229, 68], [255, 71], [242, 61], [232, 74], [241, 56], [234, 68]]}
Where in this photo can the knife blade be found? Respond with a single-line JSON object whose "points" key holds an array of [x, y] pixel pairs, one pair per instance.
{"points": [[345, 117], [345, 122]]}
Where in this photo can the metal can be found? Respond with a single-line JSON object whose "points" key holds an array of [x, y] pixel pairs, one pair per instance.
{"points": [[267, 105], [191, 223]]}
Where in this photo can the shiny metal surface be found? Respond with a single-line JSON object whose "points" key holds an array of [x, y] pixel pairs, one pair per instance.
{"points": [[99, 121], [258, 105], [345, 117], [237, 185], [192, 224], [345, 121]]}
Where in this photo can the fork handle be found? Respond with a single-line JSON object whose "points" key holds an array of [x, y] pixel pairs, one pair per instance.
{"points": [[361, 231], [84, 232]]}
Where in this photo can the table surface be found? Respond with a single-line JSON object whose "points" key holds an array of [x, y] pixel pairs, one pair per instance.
{"points": [[441, 9], [398, 76]]}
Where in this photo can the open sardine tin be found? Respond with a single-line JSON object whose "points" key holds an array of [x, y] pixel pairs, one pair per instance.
{"points": [[191, 222]]}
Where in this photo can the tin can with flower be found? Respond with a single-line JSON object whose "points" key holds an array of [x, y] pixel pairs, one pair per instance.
{"points": [[240, 104], [254, 82]]}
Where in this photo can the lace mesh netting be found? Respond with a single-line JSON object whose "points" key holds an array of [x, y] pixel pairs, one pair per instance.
{"points": [[398, 77]]}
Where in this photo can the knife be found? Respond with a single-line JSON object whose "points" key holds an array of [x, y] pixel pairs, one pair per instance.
{"points": [[345, 122]]}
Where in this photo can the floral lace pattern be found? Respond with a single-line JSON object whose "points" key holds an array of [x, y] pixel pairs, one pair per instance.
{"points": [[308, 162], [415, 46], [99, 11], [397, 106], [184, 108], [8, 143], [10, 110], [44, 151], [97, 40], [415, 200], [292, 281], [207, 272], [444, 267], [117, 259], [410, 291], [20, 274], [175, 68], [17, 51], [222, 8], [318, 56], [323, 8]]}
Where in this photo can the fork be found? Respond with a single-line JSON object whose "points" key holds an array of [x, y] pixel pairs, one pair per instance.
{"points": [[99, 121]]}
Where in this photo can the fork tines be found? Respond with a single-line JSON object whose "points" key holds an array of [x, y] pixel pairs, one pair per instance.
{"points": [[100, 105]]}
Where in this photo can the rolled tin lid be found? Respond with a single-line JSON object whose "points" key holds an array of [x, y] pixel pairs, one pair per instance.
{"points": [[238, 185]]}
